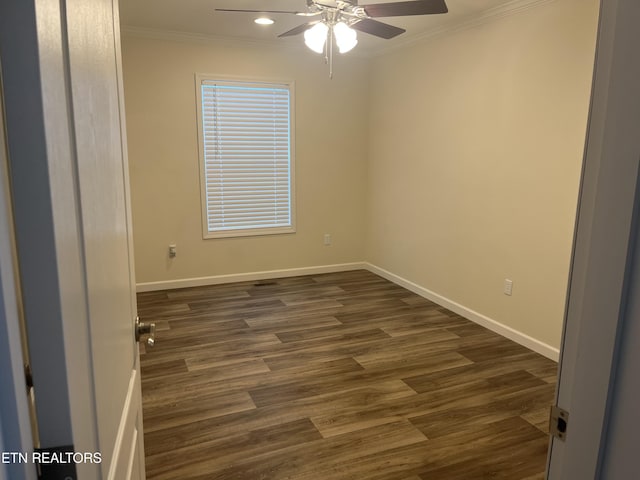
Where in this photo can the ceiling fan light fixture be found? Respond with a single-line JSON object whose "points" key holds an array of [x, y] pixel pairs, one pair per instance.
{"points": [[340, 19], [264, 21], [316, 37], [346, 37]]}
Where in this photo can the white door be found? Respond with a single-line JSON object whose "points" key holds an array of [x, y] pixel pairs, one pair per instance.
{"points": [[603, 250], [69, 175], [98, 119]]}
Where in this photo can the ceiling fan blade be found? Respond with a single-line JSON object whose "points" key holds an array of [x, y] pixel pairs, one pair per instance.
{"points": [[376, 28], [297, 30], [400, 9]]}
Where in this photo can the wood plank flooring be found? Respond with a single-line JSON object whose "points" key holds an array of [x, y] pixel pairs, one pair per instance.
{"points": [[337, 376]]}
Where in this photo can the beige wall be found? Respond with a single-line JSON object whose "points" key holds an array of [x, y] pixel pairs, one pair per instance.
{"points": [[476, 142], [331, 129]]}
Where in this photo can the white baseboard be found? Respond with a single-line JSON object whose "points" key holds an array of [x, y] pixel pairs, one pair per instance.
{"points": [[248, 277], [493, 325]]}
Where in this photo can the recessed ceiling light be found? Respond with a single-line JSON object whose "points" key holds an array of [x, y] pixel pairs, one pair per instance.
{"points": [[264, 21]]}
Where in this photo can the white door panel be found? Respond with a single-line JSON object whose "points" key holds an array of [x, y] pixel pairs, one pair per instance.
{"points": [[95, 83], [124, 465]]}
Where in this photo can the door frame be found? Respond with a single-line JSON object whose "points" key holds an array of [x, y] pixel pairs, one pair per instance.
{"points": [[15, 422], [48, 227], [603, 245]]}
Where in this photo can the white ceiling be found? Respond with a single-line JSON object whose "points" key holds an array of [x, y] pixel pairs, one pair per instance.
{"points": [[199, 17]]}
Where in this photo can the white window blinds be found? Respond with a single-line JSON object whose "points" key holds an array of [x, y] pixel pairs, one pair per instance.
{"points": [[246, 158]]}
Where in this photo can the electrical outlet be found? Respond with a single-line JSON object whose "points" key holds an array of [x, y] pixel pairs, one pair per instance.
{"points": [[508, 286], [327, 239], [172, 251]]}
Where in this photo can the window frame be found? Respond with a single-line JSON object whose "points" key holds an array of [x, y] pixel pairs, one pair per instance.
{"points": [[255, 231]]}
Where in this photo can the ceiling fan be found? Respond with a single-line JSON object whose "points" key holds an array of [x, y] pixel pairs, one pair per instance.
{"points": [[340, 19]]}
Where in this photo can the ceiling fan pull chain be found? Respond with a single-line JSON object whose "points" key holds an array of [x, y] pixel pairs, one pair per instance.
{"points": [[326, 50], [331, 53]]}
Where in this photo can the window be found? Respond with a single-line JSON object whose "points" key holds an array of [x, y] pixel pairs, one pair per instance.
{"points": [[246, 157]]}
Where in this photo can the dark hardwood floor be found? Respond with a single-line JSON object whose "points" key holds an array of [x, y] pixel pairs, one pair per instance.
{"points": [[336, 376]]}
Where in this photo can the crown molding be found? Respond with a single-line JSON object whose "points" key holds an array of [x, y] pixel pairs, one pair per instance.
{"points": [[221, 40], [514, 7], [207, 39]]}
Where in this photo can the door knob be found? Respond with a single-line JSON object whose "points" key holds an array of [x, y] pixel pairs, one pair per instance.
{"points": [[146, 329]]}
